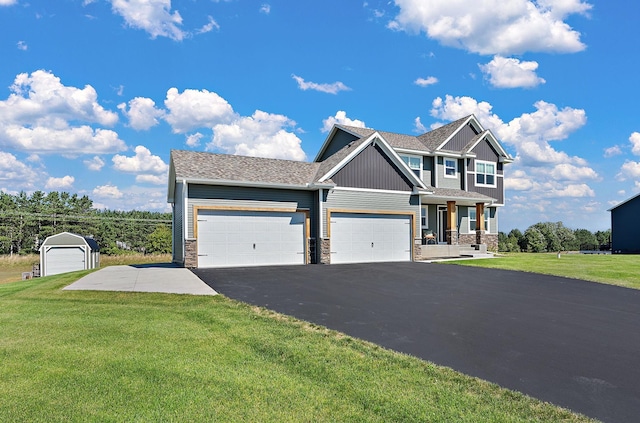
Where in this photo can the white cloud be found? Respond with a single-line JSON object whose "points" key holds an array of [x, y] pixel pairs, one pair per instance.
{"points": [[569, 172], [494, 26], [60, 183], [107, 191], [341, 119], [22, 45], [196, 109], [8, 2], [265, 8], [94, 164], [142, 113], [193, 140], [152, 16], [529, 134], [40, 113], [635, 143], [143, 161], [16, 174], [612, 151], [503, 72], [418, 126], [333, 88], [262, 135], [209, 26], [424, 82], [152, 179], [573, 190], [629, 169]]}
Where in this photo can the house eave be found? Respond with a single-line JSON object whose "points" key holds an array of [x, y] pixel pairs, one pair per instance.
{"points": [[311, 186]]}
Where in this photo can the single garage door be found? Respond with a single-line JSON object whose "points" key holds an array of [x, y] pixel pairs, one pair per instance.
{"points": [[362, 238], [250, 238], [64, 259]]}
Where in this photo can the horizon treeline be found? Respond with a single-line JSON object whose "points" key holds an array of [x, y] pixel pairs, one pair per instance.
{"points": [[27, 220], [553, 237]]}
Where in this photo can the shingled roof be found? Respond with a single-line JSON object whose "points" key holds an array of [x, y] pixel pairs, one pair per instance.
{"points": [[226, 167], [429, 141]]}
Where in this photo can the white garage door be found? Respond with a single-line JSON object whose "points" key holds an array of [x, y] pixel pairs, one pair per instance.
{"points": [[362, 238], [246, 238], [64, 259]]}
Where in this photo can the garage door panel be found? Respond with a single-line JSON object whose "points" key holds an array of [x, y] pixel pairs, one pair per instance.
{"points": [[247, 238], [64, 259], [370, 238]]}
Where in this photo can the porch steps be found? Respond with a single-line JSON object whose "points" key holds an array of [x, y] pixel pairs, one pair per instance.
{"points": [[475, 251]]}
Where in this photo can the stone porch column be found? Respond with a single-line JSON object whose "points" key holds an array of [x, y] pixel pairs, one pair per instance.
{"points": [[452, 223], [480, 224]]}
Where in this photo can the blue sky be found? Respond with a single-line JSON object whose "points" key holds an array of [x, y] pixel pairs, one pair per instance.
{"points": [[95, 93]]}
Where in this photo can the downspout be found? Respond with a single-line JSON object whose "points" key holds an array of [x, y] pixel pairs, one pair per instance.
{"points": [[320, 236]]}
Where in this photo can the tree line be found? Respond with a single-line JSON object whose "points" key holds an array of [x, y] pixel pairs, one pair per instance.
{"points": [[27, 220], [553, 237]]}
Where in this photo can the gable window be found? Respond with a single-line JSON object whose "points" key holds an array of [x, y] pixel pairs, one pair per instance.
{"points": [[414, 163], [450, 168], [485, 173]]}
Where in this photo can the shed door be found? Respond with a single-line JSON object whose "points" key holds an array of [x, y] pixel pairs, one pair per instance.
{"points": [[250, 238], [64, 259], [362, 238]]}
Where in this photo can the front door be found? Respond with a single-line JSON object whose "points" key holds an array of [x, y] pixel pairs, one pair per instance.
{"points": [[442, 224]]}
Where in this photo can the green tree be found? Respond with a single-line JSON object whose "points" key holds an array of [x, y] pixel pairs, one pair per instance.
{"points": [[159, 241], [586, 240], [536, 242]]}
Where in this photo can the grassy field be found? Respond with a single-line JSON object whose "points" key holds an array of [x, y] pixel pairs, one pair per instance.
{"points": [[11, 267], [621, 270], [106, 356]]}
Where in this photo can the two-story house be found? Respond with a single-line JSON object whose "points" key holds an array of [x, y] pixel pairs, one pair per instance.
{"points": [[368, 196]]}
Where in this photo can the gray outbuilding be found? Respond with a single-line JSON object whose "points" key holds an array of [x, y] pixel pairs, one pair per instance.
{"points": [[625, 234], [67, 252]]}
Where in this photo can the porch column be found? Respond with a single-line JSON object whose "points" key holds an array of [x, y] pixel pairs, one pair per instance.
{"points": [[452, 223], [480, 224]]}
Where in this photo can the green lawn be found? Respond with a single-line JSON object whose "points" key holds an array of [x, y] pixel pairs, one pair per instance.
{"points": [[70, 356], [622, 270]]}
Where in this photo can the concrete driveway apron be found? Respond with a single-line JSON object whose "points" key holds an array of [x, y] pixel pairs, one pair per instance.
{"points": [[569, 342]]}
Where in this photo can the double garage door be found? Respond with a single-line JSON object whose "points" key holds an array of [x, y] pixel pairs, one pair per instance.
{"points": [[234, 238], [228, 238], [362, 238]]}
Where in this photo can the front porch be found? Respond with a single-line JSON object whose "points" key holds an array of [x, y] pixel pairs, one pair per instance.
{"points": [[460, 227]]}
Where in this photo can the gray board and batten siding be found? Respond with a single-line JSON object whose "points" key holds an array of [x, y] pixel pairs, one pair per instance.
{"points": [[427, 171], [367, 201], [247, 197], [372, 169], [460, 140], [340, 140]]}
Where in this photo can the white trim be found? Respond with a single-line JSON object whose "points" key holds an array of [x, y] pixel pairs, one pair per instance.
{"points": [[376, 139], [504, 156], [475, 172], [380, 191], [414, 156], [469, 210], [455, 167], [453, 134], [320, 220], [224, 182], [332, 133]]}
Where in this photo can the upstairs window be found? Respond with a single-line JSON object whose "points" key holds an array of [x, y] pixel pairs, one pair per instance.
{"points": [[414, 163], [450, 168], [485, 174]]}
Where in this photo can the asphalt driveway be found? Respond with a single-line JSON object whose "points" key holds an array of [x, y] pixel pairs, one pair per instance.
{"points": [[569, 342]]}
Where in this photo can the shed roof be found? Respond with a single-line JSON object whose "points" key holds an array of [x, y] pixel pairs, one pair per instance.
{"points": [[70, 239]]}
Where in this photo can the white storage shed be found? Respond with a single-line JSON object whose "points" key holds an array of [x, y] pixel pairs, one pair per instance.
{"points": [[67, 252]]}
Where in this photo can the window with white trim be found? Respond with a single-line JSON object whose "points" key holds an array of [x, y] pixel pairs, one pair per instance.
{"points": [[473, 221], [414, 163], [424, 218], [485, 174], [450, 168]]}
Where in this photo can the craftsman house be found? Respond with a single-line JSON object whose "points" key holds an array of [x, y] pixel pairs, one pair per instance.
{"points": [[368, 196]]}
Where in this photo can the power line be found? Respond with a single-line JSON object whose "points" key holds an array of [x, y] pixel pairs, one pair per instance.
{"points": [[80, 217]]}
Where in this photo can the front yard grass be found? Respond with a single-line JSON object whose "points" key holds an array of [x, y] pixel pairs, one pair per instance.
{"points": [[108, 356], [621, 270]]}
